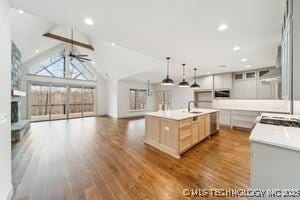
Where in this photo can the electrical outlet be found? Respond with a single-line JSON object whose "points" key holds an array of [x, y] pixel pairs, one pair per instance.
{"points": [[3, 118]]}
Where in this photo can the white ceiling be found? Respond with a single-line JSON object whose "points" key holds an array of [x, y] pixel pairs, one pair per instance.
{"points": [[147, 31]]}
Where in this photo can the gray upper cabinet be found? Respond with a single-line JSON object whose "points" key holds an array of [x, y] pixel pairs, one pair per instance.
{"points": [[205, 82], [223, 81], [250, 85], [247, 85], [239, 85], [239, 89]]}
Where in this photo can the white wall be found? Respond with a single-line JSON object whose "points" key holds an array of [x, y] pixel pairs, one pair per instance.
{"points": [[180, 96], [5, 74], [102, 99], [124, 97], [112, 98]]}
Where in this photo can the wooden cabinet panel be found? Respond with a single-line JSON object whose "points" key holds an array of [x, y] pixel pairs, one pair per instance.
{"points": [[195, 133], [201, 129], [184, 132], [185, 123], [168, 134], [185, 143], [152, 129], [207, 125]]}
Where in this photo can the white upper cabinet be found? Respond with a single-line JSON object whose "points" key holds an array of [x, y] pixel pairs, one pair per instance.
{"points": [[239, 89], [205, 82], [223, 81]]}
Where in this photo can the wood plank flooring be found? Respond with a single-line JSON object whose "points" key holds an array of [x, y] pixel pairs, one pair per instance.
{"points": [[103, 158]]}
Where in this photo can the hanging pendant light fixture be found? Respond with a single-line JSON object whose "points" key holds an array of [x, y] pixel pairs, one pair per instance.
{"points": [[167, 80], [183, 83], [195, 85]]}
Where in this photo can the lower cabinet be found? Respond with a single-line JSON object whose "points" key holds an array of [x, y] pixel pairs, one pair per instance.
{"points": [[244, 119], [195, 130], [201, 129], [195, 133], [175, 137]]}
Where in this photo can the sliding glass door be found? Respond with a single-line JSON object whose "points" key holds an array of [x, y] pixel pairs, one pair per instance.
{"points": [[40, 99], [49, 102], [58, 99], [88, 101], [75, 102]]}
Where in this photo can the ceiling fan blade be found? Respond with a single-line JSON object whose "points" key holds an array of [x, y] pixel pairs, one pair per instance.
{"points": [[87, 59], [82, 61], [82, 55]]}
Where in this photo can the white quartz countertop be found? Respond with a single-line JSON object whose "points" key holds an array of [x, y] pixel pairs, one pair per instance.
{"points": [[281, 136], [181, 113], [249, 109]]}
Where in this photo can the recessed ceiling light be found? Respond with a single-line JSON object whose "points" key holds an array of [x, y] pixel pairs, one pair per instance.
{"points": [[222, 27], [113, 44], [37, 51], [89, 21], [236, 48], [248, 66], [21, 11], [93, 62], [244, 59], [208, 73]]}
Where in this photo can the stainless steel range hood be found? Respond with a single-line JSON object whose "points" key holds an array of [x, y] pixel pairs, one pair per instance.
{"points": [[273, 75]]}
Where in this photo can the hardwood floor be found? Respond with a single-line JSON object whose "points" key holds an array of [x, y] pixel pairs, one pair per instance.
{"points": [[104, 158]]}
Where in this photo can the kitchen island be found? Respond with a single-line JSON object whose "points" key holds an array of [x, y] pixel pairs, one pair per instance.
{"points": [[176, 131]]}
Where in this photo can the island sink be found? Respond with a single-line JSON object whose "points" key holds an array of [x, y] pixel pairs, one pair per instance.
{"points": [[195, 112]]}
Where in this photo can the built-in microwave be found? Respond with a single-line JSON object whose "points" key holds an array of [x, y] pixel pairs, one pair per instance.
{"points": [[222, 94]]}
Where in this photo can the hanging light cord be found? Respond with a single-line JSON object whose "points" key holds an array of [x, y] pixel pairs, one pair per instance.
{"points": [[183, 66], [168, 63], [195, 74]]}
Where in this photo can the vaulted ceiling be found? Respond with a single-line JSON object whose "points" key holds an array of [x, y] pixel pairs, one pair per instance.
{"points": [[147, 31]]}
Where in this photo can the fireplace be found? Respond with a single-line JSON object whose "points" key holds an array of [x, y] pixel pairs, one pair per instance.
{"points": [[19, 127]]}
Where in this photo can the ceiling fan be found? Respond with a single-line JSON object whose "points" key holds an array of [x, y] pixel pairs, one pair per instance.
{"points": [[80, 57]]}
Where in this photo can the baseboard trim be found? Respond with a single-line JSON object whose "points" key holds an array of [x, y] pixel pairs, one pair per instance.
{"points": [[9, 193]]}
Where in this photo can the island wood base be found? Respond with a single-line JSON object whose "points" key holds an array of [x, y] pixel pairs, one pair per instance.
{"points": [[174, 137]]}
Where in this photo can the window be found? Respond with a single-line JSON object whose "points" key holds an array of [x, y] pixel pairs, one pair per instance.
{"points": [[61, 102], [137, 99], [61, 66], [53, 66], [79, 71]]}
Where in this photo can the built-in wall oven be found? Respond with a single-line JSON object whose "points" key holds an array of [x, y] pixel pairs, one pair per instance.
{"points": [[222, 94]]}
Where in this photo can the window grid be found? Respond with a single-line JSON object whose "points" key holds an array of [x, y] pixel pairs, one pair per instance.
{"points": [[56, 66], [137, 99]]}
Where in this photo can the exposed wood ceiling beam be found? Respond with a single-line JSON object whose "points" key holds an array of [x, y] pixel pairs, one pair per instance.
{"points": [[67, 40]]}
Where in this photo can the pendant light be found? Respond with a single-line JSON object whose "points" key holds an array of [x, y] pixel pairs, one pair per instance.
{"points": [[167, 80], [183, 83], [195, 85]]}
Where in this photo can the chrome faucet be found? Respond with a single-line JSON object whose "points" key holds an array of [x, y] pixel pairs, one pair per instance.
{"points": [[189, 105]]}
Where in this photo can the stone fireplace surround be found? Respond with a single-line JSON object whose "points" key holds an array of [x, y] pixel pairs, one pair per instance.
{"points": [[18, 126]]}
